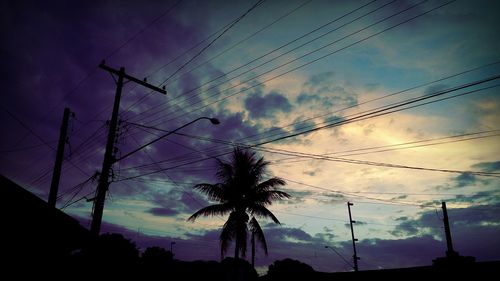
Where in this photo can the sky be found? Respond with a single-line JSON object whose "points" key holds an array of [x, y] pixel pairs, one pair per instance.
{"points": [[391, 105]]}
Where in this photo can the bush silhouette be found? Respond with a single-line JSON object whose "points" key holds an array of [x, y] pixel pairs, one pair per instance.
{"points": [[289, 269]]}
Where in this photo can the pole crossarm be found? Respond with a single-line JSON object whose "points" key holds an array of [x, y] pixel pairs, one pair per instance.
{"points": [[133, 79]]}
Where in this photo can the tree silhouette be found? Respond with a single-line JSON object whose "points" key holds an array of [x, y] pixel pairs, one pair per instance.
{"points": [[241, 193], [289, 269], [157, 255]]}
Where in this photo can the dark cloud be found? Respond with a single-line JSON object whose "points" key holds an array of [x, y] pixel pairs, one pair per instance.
{"points": [[469, 226], [413, 251], [297, 196], [323, 90], [333, 119], [482, 197], [404, 196], [305, 98], [303, 125], [61, 45], [279, 233], [370, 87], [267, 106], [475, 232], [436, 88], [465, 179], [165, 212], [357, 222], [310, 173], [488, 167], [331, 198], [172, 200], [479, 198], [327, 102], [234, 128], [300, 125]]}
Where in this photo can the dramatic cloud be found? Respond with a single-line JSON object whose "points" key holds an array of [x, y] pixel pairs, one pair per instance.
{"points": [[488, 167], [434, 89], [163, 212], [50, 54], [266, 106], [322, 90], [465, 179]]}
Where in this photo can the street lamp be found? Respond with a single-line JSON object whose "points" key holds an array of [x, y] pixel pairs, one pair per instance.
{"points": [[214, 121], [102, 188], [342, 257]]}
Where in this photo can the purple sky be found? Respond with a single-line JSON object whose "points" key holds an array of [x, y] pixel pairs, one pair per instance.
{"points": [[284, 68]]}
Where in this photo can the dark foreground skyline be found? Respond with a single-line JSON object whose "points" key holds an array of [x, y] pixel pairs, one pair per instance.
{"points": [[50, 53]]}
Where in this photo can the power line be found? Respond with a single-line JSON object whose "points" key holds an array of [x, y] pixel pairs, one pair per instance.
{"points": [[259, 2], [38, 136], [326, 154], [133, 37], [222, 52], [386, 110], [266, 54], [401, 144], [92, 71], [368, 101], [246, 38], [24, 148], [348, 194], [341, 256], [310, 62], [306, 64]]}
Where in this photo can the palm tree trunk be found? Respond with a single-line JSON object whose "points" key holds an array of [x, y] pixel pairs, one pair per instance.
{"points": [[253, 250], [236, 248]]}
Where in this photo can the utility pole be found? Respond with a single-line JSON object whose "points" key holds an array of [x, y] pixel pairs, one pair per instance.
{"points": [[109, 159], [56, 174], [355, 255], [450, 252], [172, 248]]}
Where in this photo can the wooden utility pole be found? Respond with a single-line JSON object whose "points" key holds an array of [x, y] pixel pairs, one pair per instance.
{"points": [[56, 174], [355, 255], [109, 158], [450, 252]]}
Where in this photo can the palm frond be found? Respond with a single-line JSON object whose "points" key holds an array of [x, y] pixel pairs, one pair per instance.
{"points": [[258, 233], [261, 211], [214, 192], [267, 197], [225, 171], [269, 184], [212, 210], [227, 234], [258, 169]]}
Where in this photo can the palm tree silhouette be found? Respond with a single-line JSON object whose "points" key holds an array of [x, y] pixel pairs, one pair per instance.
{"points": [[241, 193]]}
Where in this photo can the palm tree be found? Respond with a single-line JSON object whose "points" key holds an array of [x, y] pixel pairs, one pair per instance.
{"points": [[241, 193]]}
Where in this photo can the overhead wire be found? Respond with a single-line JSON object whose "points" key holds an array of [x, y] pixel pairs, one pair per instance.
{"points": [[259, 2], [92, 71], [262, 56], [362, 103], [307, 63], [269, 52], [376, 113]]}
